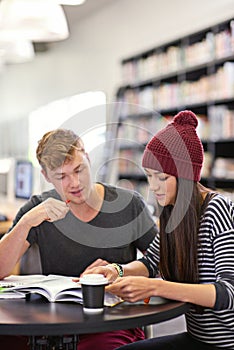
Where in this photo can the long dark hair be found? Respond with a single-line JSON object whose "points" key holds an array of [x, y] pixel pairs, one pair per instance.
{"points": [[179, 226]]}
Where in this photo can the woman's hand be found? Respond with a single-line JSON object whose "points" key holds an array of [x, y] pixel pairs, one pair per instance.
{"points": [[133, 288]]}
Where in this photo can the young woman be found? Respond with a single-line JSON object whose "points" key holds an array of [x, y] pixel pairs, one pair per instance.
{"points": [[194, 251]]}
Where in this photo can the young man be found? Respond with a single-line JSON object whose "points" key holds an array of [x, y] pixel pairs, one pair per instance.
{"points": [[78, 224]]}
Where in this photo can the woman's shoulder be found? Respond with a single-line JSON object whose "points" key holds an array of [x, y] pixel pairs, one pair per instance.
{"points": [[220, 202], [220, 213]]}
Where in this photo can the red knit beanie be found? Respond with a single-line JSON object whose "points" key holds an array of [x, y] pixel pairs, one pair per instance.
{"points": [[176, 149]]}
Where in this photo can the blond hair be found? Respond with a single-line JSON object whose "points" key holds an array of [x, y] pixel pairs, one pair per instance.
{"points": [[57, 147]]}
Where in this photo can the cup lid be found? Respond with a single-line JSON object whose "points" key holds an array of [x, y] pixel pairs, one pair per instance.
{"points": [[94, 279]]}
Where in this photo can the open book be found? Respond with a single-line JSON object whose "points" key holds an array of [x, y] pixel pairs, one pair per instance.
{"points": [[53, 287]]}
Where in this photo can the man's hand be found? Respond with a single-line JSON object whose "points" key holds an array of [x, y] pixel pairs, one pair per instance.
{"points": [[96, 263], [109, 271], [50, 210]]}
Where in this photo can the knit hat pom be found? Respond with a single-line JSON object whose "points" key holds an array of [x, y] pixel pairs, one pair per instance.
{"points": [[176, 149], [186, 118]]}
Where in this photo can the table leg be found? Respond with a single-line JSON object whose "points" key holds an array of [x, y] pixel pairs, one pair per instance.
{"points": [[32, 342], [75, 341]]}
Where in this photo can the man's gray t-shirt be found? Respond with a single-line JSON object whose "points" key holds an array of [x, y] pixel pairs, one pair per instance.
{"points": [[69, 245]]}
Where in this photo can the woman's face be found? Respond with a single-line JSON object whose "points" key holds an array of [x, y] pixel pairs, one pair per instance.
{"points": [[163, 186]]}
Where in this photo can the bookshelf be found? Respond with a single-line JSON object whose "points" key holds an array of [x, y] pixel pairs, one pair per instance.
{"points": [[194, 72]]}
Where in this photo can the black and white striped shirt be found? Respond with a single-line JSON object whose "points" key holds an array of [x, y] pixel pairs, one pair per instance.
{"points": [[216, 265]]}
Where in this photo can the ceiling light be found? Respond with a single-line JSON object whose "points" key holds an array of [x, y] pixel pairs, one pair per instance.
{"points": [[70, 2], [33, 20], [17, 51]]}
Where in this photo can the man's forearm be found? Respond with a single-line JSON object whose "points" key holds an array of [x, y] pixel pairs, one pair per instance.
{"points": [[12, 247]]}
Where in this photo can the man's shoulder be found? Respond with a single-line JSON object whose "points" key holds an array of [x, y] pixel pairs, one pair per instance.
{"points": [[38, 198], [49, 194]]}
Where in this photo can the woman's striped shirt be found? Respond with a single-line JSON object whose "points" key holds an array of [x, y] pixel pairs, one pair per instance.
{"points": [[216, 265]]}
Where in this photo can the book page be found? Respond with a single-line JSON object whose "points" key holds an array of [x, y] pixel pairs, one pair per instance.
{"points": [[49, 287], [12, 295], [111, 299], [19, 280], [53, 287]]}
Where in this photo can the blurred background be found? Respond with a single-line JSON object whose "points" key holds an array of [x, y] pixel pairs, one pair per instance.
{"points": [[60, 64], [73, 64]]}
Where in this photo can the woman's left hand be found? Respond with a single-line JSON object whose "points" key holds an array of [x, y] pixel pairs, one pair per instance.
{"points": [[133, 288]]}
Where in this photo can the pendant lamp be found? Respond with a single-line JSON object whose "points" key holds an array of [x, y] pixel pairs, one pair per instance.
{"points": [[33, 20]]}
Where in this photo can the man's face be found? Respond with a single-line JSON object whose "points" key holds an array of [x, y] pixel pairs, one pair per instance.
{"points": [[73, 179]]}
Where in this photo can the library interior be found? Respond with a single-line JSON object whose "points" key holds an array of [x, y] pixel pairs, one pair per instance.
{"points": [[116, 74]]}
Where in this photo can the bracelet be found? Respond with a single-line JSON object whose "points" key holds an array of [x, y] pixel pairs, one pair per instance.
{"points": [[119, 269]]}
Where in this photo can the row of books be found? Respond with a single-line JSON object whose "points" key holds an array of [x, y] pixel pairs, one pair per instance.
{"points": [[130, 162], [139, 132], [207, 88], [223, 168], [221, 123], [217, 124], [173, 58]]}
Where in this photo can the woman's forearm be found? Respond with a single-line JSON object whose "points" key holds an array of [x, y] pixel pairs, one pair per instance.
{"points": [[135, 288], [199, 294]]}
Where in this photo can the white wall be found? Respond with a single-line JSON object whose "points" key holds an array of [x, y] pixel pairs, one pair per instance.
{"points": [[90, 58]]}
